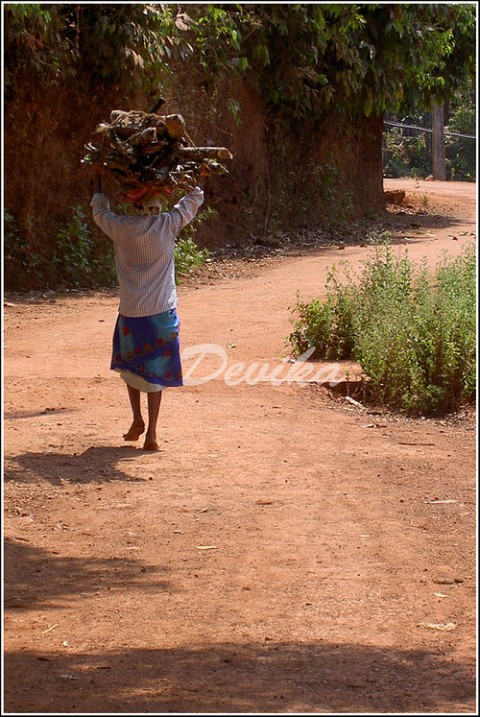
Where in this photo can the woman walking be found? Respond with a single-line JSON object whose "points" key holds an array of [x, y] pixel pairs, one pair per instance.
{"points": [[146, 349]]}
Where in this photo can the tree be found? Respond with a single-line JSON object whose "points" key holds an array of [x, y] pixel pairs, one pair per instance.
{"points": [[316, 79], [125, 45], [342, 58], [308, 58], [342, 65]]}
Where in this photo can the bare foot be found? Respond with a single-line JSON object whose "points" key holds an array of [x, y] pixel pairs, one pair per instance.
{"points": [[150, 444], [135, 431]]}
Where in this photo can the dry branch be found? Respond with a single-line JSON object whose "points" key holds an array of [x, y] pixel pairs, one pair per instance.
{"points": [[145, 150]]}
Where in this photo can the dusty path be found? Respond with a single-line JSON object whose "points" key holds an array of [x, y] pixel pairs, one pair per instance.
{"points": [[283, 552]]}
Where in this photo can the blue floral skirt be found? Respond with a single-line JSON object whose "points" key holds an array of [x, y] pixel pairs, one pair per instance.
{"points": [[148, 348]]}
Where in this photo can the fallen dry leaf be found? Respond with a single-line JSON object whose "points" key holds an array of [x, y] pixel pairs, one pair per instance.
{"points": [[445, 626], [437, 502], [205, 547]]}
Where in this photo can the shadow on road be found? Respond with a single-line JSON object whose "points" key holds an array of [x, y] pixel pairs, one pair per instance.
{"points": [[98, 464], [36, 578], [238, 678]]}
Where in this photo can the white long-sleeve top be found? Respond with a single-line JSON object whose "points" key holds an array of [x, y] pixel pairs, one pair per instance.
{"points": [[144, 252]]}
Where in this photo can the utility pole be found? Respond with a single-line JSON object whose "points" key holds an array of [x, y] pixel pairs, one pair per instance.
{"points": [[438, 142]]}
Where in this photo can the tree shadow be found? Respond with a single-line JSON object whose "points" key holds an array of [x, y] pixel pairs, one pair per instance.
{"points": [[230, 678], [97, 464], [13, 415], [34, 577], [426, 220]]}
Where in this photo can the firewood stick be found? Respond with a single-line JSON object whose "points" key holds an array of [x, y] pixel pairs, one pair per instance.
{"points": [[201, 153]]}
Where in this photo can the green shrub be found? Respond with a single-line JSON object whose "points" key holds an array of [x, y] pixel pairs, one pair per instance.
{"points": [[81, 260], [461, 152], [73, 247], [413, 331], [24, 265], [328, 326], [405, 156], [188, 256]]}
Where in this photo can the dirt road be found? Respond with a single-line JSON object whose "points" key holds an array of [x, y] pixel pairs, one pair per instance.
{"points": [[285, 551]]}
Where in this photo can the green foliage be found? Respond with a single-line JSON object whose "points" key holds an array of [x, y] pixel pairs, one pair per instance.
{"points": [[461, 152], [74, 245], [306, 58], [36, 43], [102, 263], [327, 327], [408, 153], [77, 258], [23, 262], [188, 256], [307, 62], [128, 45], [359, 59], [413, 332], [219, 34], [379, 238], [132, 44]]}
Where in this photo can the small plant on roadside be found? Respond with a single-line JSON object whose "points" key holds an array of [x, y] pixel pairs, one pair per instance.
{"points": [[188, 256], [74, 245], [25, 263], [327, 325], [103, 263], [412, 330], [379, 238], [80, 260]]}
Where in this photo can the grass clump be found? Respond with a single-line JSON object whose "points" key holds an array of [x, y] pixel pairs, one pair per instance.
{"points": [[188, 256], [79, 259], [413, 331]]}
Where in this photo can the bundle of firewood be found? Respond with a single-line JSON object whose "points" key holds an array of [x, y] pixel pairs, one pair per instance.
{"points": [[146, 151]]}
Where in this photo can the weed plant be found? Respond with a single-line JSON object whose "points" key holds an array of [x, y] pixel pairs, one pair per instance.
{"points": [[81, 260], [413, 331], [188, 256], [24, 262]]}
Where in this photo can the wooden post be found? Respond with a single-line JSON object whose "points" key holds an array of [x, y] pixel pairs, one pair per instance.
{"points": [[438, 142]]}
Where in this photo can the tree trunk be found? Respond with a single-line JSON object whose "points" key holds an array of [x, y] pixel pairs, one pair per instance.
{"points": [[438, 142]]}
